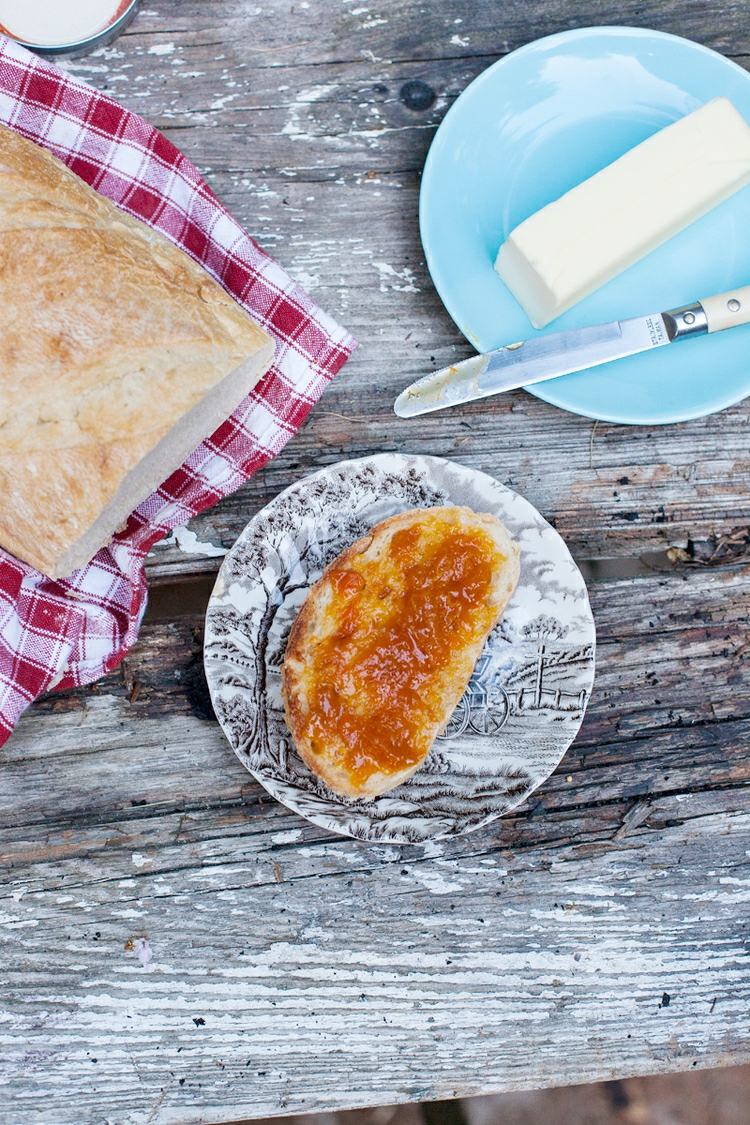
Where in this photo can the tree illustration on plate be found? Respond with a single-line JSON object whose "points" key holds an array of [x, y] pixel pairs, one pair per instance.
{"points": [[289, 546], [542, 629]]}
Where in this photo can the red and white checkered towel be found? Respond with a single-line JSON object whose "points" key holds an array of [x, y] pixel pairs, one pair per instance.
{"points": [[66, 633]]}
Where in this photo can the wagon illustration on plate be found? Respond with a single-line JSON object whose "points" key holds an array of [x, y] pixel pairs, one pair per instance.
{"points": [[483, 708]]}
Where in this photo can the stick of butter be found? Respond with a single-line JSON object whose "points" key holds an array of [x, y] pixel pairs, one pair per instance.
{"points": [[564, 252]]}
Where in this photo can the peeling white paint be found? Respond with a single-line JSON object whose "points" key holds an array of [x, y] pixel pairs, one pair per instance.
{"points": [[434, 881], [303, 100], [189, 542], [387, 272], [290, 837], [308, 281], [219, 103]]}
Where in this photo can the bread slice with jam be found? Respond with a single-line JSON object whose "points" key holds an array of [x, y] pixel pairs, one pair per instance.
{"points": [[387, 639]]}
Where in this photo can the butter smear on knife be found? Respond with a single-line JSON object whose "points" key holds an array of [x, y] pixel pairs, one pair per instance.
{"points": [[574, 245]]}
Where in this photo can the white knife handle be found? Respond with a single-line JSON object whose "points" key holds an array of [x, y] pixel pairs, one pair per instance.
{"points": [[728, 309]]}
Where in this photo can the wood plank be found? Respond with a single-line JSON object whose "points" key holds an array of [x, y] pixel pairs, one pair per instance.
{"points": [[670, 708], [629, 491], [273, 36], [633, 857], [268, 989], [319, 157]]}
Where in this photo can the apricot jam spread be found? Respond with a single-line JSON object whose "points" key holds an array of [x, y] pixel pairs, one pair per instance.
{"points": [[400, 625]]}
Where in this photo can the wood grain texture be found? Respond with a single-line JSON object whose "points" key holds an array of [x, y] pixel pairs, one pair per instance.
{"points": [[330, 973], [177, 947], [313, 146]]}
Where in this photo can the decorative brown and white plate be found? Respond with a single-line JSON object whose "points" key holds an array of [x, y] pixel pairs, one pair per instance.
{"points": [[526, 698]]}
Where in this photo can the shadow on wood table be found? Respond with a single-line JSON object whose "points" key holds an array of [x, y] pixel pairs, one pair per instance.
{"points": [[707, 1097]]}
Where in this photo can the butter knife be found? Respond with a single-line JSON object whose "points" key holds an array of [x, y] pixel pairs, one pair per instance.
{"points": [[562, 353]]}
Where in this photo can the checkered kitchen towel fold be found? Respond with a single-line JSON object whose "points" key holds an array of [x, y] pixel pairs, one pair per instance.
{"points": [[66, 633]]}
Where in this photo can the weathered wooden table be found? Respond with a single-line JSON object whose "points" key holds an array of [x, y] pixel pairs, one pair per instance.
{"points": [[180, 948]]}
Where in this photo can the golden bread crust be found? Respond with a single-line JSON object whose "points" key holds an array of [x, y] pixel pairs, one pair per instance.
{"points": [[109, 334], [362, 601]]}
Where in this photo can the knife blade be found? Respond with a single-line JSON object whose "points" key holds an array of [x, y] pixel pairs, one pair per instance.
{"points": [[561, 353]]}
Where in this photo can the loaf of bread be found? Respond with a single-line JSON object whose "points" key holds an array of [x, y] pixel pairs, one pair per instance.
{"points": [[386, 641], [118, 356]]}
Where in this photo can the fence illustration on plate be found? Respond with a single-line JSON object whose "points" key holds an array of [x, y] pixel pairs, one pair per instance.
{"points": [[547, 682]]}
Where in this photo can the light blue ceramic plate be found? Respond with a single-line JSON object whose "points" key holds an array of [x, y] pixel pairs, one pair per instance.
{"points": [[531, 127]]}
